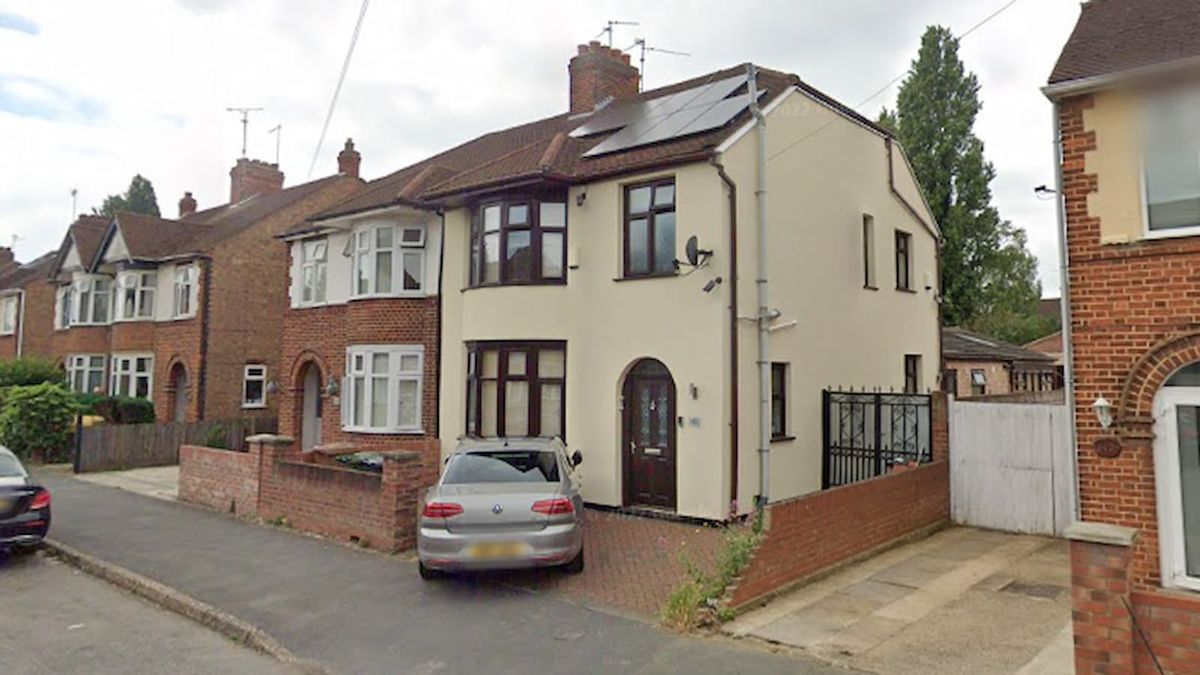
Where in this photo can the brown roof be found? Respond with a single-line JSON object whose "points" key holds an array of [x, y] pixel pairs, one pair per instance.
{"points": [[1118, 35], [959, 344], [1051, 344], [543, 150], [86, 234], [33, 270]]}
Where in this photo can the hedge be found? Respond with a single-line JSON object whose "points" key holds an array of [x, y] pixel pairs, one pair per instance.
{"points": [[117, 409], [38, 419], [26, 372]]}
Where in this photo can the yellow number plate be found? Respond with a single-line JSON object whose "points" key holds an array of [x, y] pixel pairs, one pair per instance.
{"points": [[496, 550], [5, 505]]}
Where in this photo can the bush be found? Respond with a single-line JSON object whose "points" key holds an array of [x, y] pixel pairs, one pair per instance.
{"points": [[217, 438], [38, 418], [26, 372], [117, 409]]}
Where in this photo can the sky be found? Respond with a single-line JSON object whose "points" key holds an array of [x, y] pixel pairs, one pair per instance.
{"points": [[92, 93]]}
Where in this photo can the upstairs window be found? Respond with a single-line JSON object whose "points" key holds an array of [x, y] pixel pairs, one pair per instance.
{"points": [[92, 297], [515, 389], [254, 387], [65, 298], [314, 256], [85, 373], [1171, 158], [388, 260], [903, 261], [383, 389], [132, 375], [519, 241], [650, 229], [185, 291], [135, 295], [8, 314]]}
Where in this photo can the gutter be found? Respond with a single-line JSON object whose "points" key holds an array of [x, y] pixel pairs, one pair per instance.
{"points": [[1085, 85], [733, 334], [1064, 268]]}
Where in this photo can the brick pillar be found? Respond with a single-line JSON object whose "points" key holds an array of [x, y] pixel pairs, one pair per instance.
{"points": [[1100, 588], [939, 421], [401, 493], [268, 448]]}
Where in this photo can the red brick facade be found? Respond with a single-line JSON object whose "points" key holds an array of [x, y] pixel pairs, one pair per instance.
{"points": [[35, 326], [1134, 316]]}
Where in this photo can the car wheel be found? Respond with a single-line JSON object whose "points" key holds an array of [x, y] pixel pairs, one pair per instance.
{"points": [[427, 573], [576, 564]]}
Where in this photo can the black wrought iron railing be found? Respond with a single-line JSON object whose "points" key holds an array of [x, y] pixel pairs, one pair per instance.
{"points": [[868, 434]]}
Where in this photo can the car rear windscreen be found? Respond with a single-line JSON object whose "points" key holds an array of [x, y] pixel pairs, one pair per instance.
{"points": [[10, 467], [503, 466]]}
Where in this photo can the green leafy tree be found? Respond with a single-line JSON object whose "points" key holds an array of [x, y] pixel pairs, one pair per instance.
{"points": [[139, 198], [989, 278], [38, 419], [27, 371]]}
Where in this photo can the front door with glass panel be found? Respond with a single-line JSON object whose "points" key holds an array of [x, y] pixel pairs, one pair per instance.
{"points": [[1177, 467], [649, 438]]}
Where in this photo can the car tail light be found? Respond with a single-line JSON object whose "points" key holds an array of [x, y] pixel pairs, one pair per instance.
{"points": [[442, 510], [554, 507], [41, 500]]}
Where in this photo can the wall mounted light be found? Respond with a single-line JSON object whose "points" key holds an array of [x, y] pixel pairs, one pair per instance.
{"points": [[332, 388], [1104, 412], [272, 388]]}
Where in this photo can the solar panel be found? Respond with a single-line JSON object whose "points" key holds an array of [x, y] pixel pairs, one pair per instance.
{"points": [[623, 115], [716, 116], [612, 118]]}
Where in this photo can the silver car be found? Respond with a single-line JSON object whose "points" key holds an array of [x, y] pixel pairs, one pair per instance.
{"points": [[503, 504]]}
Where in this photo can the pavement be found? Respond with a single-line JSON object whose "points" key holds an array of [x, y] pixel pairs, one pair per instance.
{"points": [[56, 619], [961, 601], [356, 611], [160, 482]]}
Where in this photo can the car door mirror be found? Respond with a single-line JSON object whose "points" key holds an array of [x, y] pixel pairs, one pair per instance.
{"points": [[576, 458]]}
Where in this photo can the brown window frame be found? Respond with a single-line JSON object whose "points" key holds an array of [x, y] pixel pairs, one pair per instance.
{"points": [[651, 216], [779, 400], [473, 419], [536, 233], [903, 261], [912, 373]]}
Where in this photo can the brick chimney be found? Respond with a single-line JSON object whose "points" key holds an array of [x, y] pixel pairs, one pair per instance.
{"points": [[251, 177], [598, 72], [187, 205], [8, 262], [349, 159]]}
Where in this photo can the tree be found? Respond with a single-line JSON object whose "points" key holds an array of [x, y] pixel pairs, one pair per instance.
{"points": [[139, 198], [989, 278]]}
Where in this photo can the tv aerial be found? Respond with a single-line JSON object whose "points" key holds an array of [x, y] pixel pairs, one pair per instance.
{"points": [[640, 44], [245, 112], [608, 28]]}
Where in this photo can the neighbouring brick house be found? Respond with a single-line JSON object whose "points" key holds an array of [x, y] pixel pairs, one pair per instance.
{"points": [[1127, 108], [26, 307], [186, 312], [978, 365]]}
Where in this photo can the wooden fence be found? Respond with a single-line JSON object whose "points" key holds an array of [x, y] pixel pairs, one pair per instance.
{"points": [[1012, 466], [113, 447]]}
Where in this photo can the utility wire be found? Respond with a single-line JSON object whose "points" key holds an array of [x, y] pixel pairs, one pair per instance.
{"points": [[338, 89], [893, 81]]}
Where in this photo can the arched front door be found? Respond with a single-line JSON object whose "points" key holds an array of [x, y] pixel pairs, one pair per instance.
{"points": [[1177, 470], [179, 384], [310, 408], [648, 443]]}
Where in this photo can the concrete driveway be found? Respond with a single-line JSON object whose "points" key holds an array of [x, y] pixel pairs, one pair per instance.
{"points": [[961, 601]]}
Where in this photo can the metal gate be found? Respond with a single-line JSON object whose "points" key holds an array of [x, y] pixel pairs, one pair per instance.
{"points": [[866, 434]]}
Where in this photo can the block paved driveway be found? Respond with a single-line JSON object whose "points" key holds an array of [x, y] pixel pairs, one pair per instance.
{"points": [[361, 612]]}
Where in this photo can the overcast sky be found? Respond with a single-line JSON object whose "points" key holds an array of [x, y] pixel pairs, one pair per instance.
{"points": [[93, 92]]}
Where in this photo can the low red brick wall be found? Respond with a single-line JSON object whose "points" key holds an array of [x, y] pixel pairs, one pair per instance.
{"points": [[809, 535], [219, 479], [1171, 622]]}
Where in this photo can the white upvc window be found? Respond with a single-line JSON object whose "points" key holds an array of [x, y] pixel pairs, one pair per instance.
{"points": [[92, 297], [132, 375], [254, 386], [135, 295], [382, 389], [8, 314], [1171, 164], [185, 292], [64, 299], [85, 373], [314, 256], [387, 260]]}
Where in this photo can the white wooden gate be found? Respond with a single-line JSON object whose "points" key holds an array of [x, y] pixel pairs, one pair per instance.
{"points": [[1011, 466]]}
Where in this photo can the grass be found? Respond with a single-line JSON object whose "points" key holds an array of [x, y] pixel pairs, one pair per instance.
{"points": [[697, 600]]}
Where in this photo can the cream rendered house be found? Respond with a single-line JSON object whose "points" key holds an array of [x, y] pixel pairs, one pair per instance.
{"points": [[569, 307]]}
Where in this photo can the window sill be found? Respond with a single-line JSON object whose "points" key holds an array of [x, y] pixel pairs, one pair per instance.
{"points": [[906, 290], [782, 439], [381, 296], [313, 305], [7, 333], [1172, 233], [254, 406], [184, 317], [552, 282], [383, 432], [641, 277], [143, 319], [870, 288]]}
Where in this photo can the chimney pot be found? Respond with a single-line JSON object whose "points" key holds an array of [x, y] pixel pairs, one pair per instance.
{"points": [[8, 261], [349, 160], [187, 205], [598, 72], [251, 177]]}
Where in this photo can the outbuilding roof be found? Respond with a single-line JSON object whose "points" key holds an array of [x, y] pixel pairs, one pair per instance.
{"points": [[959, 344]]}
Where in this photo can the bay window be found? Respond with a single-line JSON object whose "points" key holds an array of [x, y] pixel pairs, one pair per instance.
{"points": [[519, 240], [516, 389], [8, 314], [132, 375], [92, 296], [85, 373], [388, 260], [314, 255], [135, 295], [382, 389], [185, 292], [650, 229]]}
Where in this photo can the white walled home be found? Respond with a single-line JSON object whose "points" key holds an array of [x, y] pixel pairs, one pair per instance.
{"points": [[564, 311]]}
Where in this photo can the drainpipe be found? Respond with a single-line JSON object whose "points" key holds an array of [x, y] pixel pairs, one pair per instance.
{"points": [[1064, 283], [764, 313], [733, 335], [20, 322]]}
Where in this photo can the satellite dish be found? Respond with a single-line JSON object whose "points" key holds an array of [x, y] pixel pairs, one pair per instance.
{"points": [[692, 249]]}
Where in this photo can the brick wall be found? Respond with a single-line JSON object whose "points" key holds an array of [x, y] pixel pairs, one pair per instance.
{"points": [[79, 340], [999, 378], [1171, 622], [815, 533], [219, 479], [38, 323]]}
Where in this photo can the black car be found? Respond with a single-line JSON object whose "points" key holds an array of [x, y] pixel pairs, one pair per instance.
{"points": [[24, 506]]}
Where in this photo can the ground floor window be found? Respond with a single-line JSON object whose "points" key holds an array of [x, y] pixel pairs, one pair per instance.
{"points": [[383, 388], [779, 416], [978, 382], [254, 386], [85, 373], [516, 389], [132, 375], [912, 373]]}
